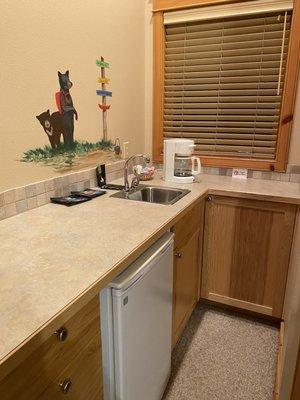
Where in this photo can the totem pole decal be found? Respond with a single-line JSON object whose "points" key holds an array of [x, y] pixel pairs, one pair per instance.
{"points": [[103, 80]]}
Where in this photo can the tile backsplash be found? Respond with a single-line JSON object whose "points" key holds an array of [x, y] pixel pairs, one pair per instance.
{"points": [[18, 200], [292, 174]]}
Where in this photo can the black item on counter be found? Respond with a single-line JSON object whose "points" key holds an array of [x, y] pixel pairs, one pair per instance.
{"points": [[89, 193], [111, 186], [101, 175], [70, 200]]}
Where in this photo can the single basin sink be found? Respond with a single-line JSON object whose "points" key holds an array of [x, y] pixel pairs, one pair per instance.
{"points": [[153, 194]]}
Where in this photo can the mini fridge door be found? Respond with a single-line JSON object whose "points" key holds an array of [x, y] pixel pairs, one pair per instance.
{"points": [[142, 324]]}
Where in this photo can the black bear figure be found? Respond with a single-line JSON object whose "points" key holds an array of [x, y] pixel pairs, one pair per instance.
{"points": [[66, 108], [53, 126]]}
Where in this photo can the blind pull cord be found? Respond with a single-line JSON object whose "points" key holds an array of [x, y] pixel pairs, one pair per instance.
{"points": [[252, 151], [282, 52], [183, 81], [219, 85]]}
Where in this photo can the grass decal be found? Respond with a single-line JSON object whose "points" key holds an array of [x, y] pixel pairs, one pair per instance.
{"points": [[66, 156]]}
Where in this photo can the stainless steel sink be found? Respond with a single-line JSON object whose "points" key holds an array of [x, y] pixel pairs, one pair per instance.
{"points": [[153, 194]]}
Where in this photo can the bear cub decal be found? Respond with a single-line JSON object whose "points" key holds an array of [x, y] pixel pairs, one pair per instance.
{"points": [[53, 126]]}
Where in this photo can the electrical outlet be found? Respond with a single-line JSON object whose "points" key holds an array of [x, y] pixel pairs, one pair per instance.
{"points": [[240, 173], [126, 149]]}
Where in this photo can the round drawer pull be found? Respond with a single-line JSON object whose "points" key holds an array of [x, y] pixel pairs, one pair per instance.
{"points": [[62, 334], [178, 255], [208, 198], [65, 386]]}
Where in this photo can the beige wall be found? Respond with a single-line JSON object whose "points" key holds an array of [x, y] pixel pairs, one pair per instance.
{"points": [[37, 39]]}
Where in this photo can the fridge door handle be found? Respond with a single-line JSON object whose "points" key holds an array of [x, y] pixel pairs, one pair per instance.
{"points": [[153, 260]]}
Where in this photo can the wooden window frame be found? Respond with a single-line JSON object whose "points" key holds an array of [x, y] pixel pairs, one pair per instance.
{"points": [[288, 96]]}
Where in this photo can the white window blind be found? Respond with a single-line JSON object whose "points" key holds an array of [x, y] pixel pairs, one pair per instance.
{"points": [[223, 83]]}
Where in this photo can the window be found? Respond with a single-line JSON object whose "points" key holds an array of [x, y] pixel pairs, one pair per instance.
{"points": [[223, 83]]}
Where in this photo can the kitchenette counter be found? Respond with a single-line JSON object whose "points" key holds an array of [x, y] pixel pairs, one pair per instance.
{"points": [[54, 259]]}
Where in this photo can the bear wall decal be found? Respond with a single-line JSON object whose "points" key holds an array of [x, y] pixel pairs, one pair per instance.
{"points": [[65, 106], [53, 126]]}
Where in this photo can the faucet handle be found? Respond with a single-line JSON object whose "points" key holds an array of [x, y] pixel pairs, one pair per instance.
{"points": [[135, 182]]}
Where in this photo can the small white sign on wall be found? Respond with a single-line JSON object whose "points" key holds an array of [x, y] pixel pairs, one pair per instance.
{"points": [[240, 173]]}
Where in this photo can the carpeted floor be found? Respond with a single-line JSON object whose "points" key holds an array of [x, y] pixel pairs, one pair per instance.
{"points": [[223, 356]]}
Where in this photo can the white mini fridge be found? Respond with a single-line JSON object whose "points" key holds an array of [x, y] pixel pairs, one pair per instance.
{"points": [[136, 326]]}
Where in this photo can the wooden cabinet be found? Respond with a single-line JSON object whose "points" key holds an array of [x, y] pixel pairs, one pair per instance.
{"points": [[246, 253], [61, 357], [187, 267], [80, 379]]}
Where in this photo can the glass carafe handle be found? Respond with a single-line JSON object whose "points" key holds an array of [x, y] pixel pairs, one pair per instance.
{"points": [[198, 170]]}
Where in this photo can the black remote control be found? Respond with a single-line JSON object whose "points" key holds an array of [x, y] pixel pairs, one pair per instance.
{"points": [[101, 175]]}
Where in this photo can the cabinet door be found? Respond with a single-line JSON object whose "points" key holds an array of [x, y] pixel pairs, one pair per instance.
{"points": [[185, 289], [81, 379], [246, 252]]}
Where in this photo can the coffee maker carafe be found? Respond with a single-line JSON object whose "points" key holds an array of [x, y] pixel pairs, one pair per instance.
{"points": [[179, 164]]}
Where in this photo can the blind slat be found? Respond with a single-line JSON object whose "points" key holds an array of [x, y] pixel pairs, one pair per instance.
{"points": [[212, 136], [179, 80], [221, 117], [222, 123], [215, 99], [187, 48], [231, 36], [272, 52], [190, 129], [234, 62], [187, 89], [224, 106]]}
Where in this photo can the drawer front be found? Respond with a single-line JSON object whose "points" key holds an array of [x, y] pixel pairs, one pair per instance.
{"points": [[35, 373], [81, 379], [188, 224]]}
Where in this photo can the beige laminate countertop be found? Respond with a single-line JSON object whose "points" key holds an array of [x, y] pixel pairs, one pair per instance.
{"points": [[53, 256]]}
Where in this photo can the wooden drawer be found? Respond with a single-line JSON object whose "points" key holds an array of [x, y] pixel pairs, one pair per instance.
{"points": [[188, 224], [82, 378], [34, 374]]}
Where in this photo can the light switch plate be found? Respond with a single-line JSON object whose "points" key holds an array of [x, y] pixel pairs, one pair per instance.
{"points": [[240, 173]]}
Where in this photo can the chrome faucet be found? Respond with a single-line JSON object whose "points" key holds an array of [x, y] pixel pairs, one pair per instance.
{"points": [[136, 180]]}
